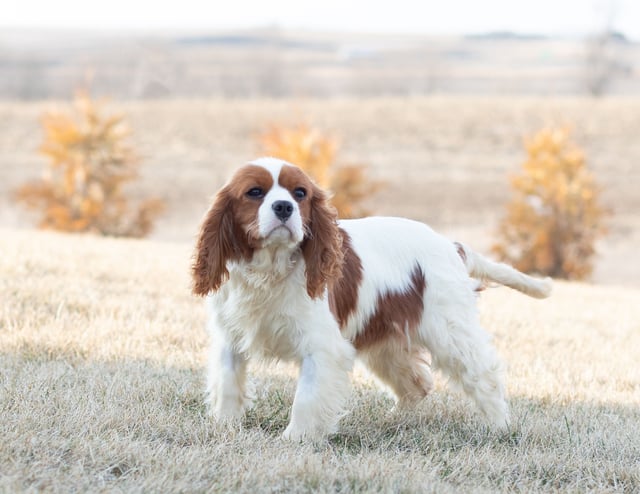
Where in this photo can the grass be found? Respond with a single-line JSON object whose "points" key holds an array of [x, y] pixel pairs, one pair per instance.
{"points": [[102, 355]]}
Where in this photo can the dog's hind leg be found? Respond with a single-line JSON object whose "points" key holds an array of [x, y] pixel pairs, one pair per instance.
{"points": [[405, 370], [463, 350]]}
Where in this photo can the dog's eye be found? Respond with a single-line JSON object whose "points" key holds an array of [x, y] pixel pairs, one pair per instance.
{"points": [[255, 193], [299, 193]]}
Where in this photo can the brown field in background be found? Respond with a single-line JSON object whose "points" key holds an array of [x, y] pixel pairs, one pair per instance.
{"points": [[445, 159]]}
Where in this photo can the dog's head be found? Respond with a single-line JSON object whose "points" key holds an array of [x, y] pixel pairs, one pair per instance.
{"points": [[268, 204]]}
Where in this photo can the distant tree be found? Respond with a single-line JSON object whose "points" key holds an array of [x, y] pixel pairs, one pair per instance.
{"points": [[89, 162], [603, 62], [316, 153], [554, 216]]}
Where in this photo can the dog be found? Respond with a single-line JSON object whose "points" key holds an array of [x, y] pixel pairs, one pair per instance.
{"points": [[285, 279]]}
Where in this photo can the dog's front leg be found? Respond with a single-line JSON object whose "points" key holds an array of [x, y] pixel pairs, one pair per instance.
{"points": [[323, 389], [226, 377]]}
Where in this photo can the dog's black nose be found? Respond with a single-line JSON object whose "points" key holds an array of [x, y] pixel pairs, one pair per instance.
{"points": [[282, 209]]}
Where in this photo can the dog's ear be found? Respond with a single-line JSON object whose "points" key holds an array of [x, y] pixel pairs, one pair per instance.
{"points": [[322, 245], [220, 240]]}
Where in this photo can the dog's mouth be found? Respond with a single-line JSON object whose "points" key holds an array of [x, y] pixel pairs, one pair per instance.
{"points": [[282, 231], [284, 234]]}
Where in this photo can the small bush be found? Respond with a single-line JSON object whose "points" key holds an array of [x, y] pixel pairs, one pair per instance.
{"points": [[315, 152], [89, 162], [554, 216]]}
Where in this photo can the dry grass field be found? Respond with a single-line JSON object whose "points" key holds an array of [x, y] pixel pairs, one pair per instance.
{"points": [[102, 347], [102, 355]]}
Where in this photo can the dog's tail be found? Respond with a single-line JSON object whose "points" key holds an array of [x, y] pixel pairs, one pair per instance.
{"points": [[485, 270]]}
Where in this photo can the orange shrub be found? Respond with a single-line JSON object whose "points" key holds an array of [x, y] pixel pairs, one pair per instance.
{"points": [[554, 216], [315, 152], [89, 162]]}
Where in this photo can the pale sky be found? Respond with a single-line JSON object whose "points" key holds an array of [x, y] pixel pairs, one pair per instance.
{"points": [[555, 17]]}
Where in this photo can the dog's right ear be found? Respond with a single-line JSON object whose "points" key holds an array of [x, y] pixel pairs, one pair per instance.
{"points": [[220, 240]]}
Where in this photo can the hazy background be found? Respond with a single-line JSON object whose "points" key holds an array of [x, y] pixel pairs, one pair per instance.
{"points": [[435, 97], [548, 17], [194, 49]]}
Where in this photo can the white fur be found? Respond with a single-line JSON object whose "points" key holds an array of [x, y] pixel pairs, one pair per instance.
{"points": [[450, 330], [484, 269], [264, 310]]}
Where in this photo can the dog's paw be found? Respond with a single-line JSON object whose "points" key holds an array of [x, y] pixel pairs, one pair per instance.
{"points": [[226, 414], [298, 434], [293, 433]]}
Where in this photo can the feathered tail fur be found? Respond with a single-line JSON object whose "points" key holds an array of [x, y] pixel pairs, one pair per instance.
{"points": [[484, 269]]}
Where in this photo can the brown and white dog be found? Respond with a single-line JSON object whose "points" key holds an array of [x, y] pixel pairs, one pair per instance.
{"points": [[285, 279]]}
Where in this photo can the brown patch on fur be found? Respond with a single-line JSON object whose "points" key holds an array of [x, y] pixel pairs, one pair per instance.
{"points": [[405, 369], [463, 255], [423, 382], [322, 245], [228, 232], [246, 208], [395, 313], [291, 178], [343, 296], [461, 251]]}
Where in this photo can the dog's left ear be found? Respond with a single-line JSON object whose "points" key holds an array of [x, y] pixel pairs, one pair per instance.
{"points": [[322, 246]]}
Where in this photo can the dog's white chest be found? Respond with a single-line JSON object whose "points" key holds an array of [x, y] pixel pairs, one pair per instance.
{"points": [[262, 322]]}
